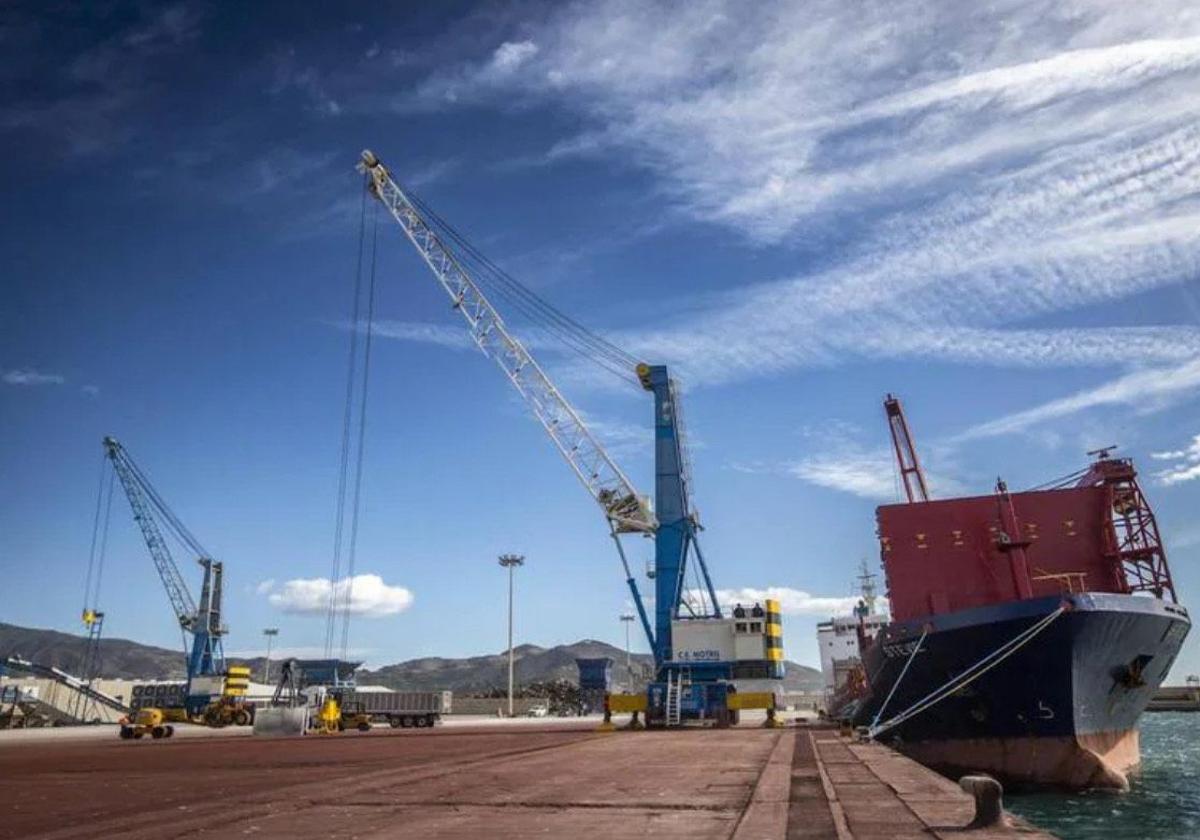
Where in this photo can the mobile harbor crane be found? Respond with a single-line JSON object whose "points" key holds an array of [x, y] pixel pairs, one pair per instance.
{"points": [[212, 693], [702, 657]]}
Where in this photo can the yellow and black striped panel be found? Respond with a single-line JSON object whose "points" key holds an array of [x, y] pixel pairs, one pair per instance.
{"points": [[774, 631], [237, 681], [774, 618]]}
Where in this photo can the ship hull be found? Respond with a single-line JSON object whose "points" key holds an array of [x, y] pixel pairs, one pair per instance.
{"points": [[1060, 711]]}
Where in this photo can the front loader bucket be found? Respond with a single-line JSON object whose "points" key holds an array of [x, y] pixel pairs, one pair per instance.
{"points": [[281, 721]]}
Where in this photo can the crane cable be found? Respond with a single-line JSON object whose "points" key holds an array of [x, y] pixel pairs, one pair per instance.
{"points": [[552, 322], [98, 550], [547, 312], [362, 435], [335, 571]]}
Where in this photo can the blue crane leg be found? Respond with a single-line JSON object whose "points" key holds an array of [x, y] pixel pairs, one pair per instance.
{"points": [[671, 506]]}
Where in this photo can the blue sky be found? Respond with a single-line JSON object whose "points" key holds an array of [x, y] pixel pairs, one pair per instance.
{"points": [[992, 212]]}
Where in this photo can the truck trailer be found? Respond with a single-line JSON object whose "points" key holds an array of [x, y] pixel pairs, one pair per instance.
{"points": [[399, 708]]}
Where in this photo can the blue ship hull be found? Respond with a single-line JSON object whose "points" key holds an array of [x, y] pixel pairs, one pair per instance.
{"points": [[1062, 710]]}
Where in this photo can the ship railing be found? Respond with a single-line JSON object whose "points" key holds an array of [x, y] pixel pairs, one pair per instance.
{"points": [[1070, 582]]}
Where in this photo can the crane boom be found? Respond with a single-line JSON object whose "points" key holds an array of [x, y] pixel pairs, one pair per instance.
{"points": [[626, 510], [206, 657], [160, 553], [911, 472]]}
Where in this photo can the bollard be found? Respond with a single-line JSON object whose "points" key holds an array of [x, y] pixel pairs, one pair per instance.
{"points": [[989, 800]]}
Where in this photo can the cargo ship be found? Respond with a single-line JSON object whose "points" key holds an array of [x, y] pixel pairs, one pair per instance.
{"points": [[1028, 631]]}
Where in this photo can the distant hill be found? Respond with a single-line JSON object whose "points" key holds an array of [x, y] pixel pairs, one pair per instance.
{"points": [[121, 658]]}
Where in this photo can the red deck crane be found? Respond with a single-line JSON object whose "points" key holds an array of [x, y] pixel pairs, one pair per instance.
{"points": [[906, 452]]}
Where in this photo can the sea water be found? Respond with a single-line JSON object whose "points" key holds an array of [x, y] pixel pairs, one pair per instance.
{"points": [[1163, 802]]}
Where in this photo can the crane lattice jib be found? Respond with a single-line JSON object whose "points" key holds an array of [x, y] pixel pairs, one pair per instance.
{"points": [[625, 509], [138, 492]]}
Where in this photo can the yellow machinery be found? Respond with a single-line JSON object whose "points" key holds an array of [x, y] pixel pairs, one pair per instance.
{"points": [[329, 719], [354, 715], [635, 705], [231, 709], [150, 722]]}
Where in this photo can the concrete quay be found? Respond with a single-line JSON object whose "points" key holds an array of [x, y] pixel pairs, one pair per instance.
{"points": [[469, 782]]}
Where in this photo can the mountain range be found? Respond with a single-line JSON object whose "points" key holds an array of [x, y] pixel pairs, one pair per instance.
{"points": [[124, 659]]}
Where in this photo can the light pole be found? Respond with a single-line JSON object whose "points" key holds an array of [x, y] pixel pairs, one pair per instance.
{"points": [[510, 562], [270, 633], [627, 619]]}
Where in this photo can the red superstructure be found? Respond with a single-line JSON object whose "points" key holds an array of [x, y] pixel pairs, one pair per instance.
{"points": [[1097, 535]]}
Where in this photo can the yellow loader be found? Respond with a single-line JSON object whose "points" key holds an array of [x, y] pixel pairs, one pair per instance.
{"points": [[150, 722]]}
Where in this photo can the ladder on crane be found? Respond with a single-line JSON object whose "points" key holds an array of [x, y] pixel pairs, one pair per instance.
{"points": [[674, 704]]}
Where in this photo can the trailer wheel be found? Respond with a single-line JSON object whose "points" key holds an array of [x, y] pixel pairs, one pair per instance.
{"points": [[406, 721], [126, 733], [393, 721], [170, 730], [241, 718], [158, 732], [421, 722], [364, 726]]}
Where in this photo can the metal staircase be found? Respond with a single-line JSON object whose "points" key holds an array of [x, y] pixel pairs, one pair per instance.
{"points": [[675, 683]]}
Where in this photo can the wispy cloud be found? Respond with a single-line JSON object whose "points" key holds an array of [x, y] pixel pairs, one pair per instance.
{"points": [[965, 189], [81, 101], [1147, 390], [451, 336], [290, 74], [869, 475], [370, 597], [1186, 466], [29, 376]]}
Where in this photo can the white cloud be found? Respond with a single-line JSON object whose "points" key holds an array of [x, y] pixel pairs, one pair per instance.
{"points": [[512, 54], [1014, 161], [1147, 390], [264, 586], [370, 597], [1186, 466], [452, 336], [791, 601], [29, 376], [90, 390], [869, 475]]}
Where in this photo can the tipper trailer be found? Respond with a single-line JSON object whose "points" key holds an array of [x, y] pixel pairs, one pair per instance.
{"points": [[399, 708]]}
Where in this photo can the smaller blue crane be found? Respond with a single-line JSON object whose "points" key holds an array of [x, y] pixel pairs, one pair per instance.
{"points": [[206, 660]]}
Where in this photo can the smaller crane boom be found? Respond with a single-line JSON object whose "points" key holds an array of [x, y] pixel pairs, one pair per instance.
{"points": [[206, 657], [139, 492], [911, 472]]}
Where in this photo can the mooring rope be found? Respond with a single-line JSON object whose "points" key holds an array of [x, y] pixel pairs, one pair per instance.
{"points": [[900, 679], [970, 674]]}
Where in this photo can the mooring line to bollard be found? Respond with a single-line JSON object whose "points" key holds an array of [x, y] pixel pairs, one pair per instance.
{"points": [[967, 677], [900, 679]]}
